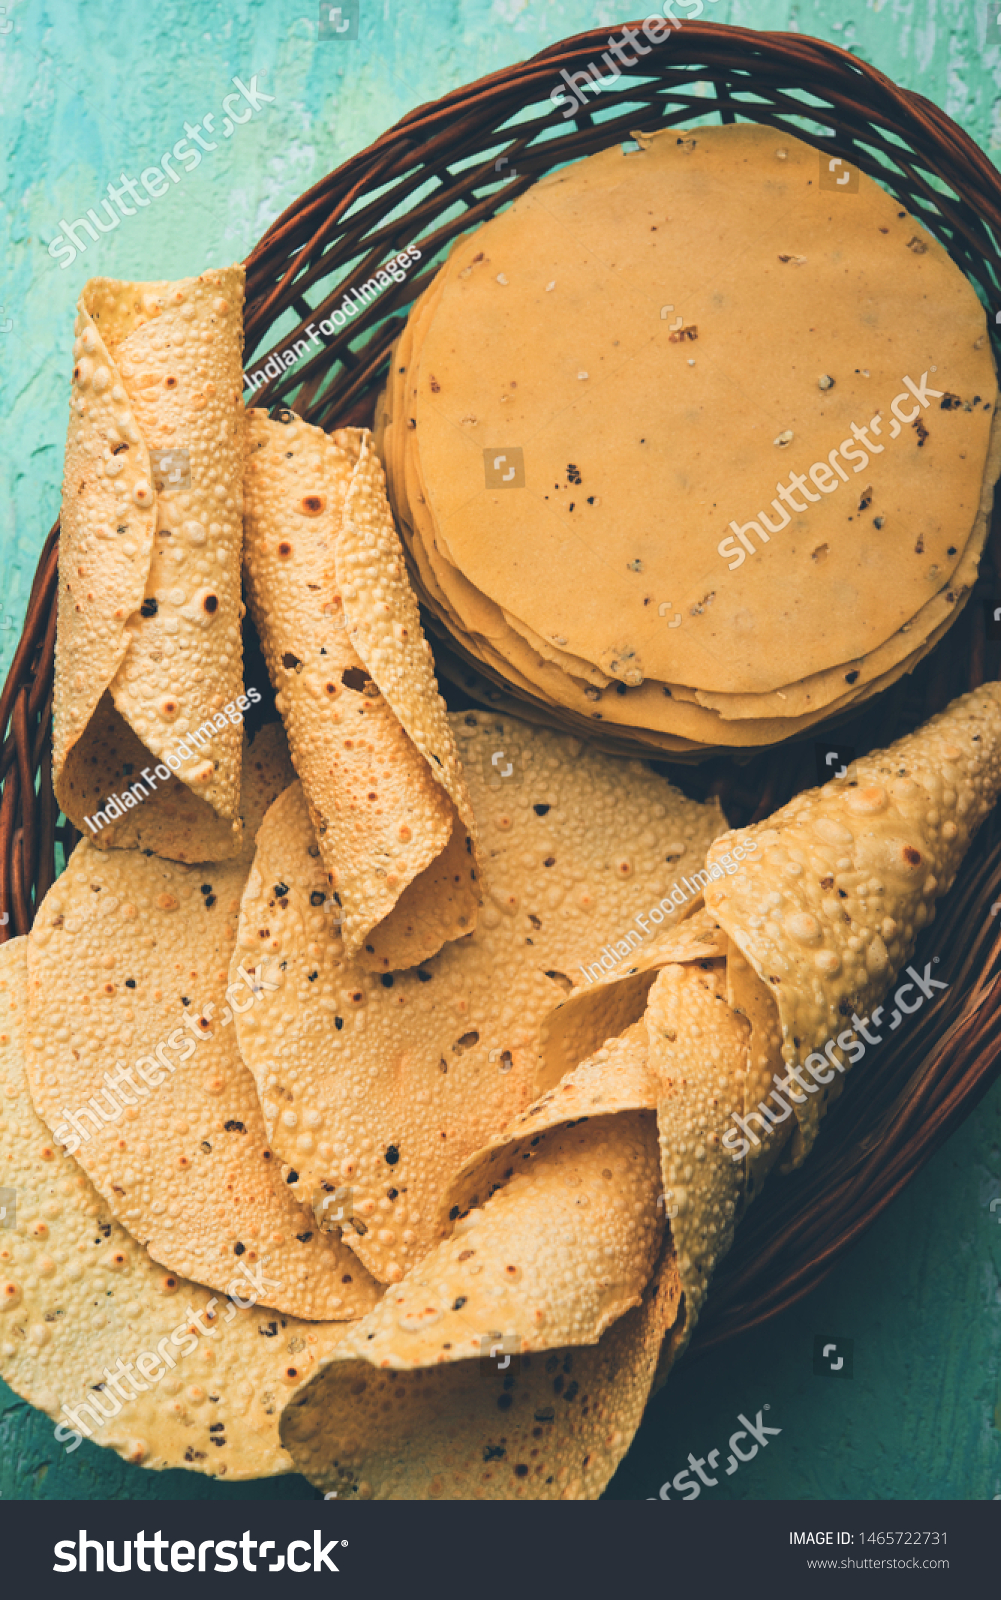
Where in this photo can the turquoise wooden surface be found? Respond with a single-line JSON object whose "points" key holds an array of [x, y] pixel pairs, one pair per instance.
{"points": [[88, 91]]}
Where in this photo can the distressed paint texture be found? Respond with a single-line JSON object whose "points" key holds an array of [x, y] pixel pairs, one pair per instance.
{"points": [[87, 91]]}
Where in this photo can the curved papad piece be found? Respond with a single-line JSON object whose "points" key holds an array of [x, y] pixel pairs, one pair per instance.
{"points": [[844, 878], [130, 1023], [84, 1306], [387, 1083], [355, 685], [698, 1053], [544, 1426], [165, 816], [614, 1078], [562, 1245], [149, 557], [577, 1026]]}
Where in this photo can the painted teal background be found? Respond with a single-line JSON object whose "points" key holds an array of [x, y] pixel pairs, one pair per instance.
{"points": [[87, 90]]}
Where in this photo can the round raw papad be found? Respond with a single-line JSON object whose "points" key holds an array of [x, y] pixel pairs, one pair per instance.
{"points": [[640, 425], [81, 1300], [386, 1084]]}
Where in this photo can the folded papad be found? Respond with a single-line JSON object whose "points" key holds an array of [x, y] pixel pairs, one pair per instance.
{"points": [[762, 999], [148, 647], [385, 1083], [515, 1361], [92, 1328], [355, 684]]}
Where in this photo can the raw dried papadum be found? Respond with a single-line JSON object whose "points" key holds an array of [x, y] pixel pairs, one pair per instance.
{"points": [[149, 559]]}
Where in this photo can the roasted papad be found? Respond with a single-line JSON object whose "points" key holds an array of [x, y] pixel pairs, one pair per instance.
{"points": [[355, 685], [129, 983], [829, 907], [553, 1426], [149, 603], [82, 1302], [387, 1083]]}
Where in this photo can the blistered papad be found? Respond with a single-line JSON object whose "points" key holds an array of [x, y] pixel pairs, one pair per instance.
{"points": [[104, 1340], [561, 1245], [607, 1006], [845, 877], [133, 1063], [545, 1426], [698, 1053], [149, 557], [164, 815], [387, 1083], [355, 685]]}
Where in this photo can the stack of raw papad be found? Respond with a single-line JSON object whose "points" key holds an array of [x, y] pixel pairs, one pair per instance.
{"points": [[602, 386]]}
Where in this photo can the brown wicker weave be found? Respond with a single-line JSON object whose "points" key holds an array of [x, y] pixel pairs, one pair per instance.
{"points": [[428, 179]]}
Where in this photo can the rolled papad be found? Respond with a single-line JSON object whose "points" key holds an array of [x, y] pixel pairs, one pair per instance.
{"points": [[843, 879], [81, 1299], [149, 601], [356, 687]]}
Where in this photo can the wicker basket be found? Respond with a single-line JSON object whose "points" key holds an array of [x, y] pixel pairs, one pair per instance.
{"points": [[439, 172]]}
